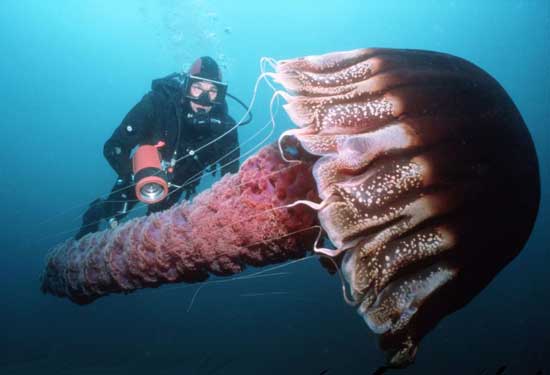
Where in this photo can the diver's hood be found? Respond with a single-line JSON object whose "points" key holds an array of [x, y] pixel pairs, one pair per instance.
{"points": [[171, 84]]}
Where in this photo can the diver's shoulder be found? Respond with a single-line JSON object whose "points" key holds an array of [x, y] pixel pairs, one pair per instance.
{"points": [[171, 82]]}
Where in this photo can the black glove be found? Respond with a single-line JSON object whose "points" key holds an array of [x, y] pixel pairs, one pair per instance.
{"points": [[189, 191], [91, 218]]}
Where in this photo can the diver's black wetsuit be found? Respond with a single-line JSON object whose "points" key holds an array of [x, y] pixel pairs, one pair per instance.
{"points": [[164, 114]]}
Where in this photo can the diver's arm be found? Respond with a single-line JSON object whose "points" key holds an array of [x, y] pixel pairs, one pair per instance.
{"points": [[134, 129], [230, 148]]}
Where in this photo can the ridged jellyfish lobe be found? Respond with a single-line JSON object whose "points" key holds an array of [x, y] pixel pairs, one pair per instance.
{"points": [[428, 176]]}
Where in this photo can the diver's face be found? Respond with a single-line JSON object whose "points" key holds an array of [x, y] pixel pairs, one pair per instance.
{"points": [[202, 88]]}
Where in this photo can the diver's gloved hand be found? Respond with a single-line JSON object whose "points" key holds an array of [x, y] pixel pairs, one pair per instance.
{"points": [[189, 191], [91, 218], [212, 169], [113, 223]]}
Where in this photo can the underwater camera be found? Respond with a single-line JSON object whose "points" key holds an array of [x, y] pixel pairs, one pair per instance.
{"points": [[149, 176]]}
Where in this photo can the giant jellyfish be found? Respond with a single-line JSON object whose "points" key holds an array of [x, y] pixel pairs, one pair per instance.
{"points": [[417, 165]]}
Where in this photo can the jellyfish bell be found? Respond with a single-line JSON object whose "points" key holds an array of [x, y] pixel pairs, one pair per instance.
{"points": [[428, 178]]}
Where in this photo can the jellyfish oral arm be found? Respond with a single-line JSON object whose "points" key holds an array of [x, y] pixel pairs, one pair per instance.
{"points": [[242, 220]]}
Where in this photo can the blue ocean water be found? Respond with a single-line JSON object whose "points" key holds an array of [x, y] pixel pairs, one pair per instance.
{"points": [[70, 71]]}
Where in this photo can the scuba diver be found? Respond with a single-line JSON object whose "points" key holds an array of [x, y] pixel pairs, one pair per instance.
{"points": [[166, 142]]}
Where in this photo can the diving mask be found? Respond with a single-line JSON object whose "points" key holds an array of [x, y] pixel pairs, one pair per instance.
{"points": [[204, 91]]}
